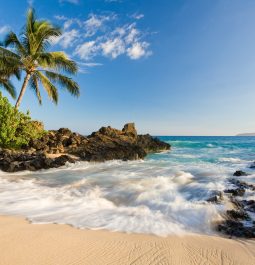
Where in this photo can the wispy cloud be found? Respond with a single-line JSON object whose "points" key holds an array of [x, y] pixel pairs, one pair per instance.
{"points": [[99, 36], [137, 16], [84, 67], [113, 47], [87, 50], [4, 29], [111, 1], [138, 50], [30, 2], [70, 1], [90, 64], [67, 39], [96, 22]]}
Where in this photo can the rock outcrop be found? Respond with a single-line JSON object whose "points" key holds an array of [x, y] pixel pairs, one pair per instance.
{"points": [[238, 221], [106, 144], [239, 173], [13, 161]]}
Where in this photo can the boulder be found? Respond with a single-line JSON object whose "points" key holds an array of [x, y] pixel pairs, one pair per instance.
{"points": [[129, 130], [240, 173], [216, 198], [18, 161], [240, 215], [236, 192], [237, 229], [152, 144], [249, 205]]}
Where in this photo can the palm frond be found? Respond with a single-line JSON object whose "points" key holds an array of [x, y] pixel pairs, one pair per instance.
{"points": [[49, 87], [8, 86], [8, 53], [34, 85], [66, 82], [57, 61], [44, 32], [37, 33], [11, 40]]}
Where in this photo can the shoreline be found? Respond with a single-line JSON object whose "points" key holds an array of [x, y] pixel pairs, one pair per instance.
{"points": [[56, 147], [24, 243]]}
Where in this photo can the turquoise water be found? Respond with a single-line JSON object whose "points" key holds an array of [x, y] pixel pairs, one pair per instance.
{"points": [[164, 194], [211, 149]]}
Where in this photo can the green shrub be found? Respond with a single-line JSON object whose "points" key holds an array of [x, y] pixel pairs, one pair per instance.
{"points": [[16, 128]]}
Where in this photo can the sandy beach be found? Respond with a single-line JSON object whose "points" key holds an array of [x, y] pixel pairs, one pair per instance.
{"points": [[25, 243]]}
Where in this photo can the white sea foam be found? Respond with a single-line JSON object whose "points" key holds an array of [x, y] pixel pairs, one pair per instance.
{"points": [[165, 194], [232, 160], [119, 196]]}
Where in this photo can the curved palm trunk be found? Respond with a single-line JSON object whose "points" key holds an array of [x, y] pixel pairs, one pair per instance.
{"points": [[22, 91]]}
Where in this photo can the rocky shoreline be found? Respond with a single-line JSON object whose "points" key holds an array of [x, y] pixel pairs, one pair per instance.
{"points": [[57, 147], [239, 219], [106, 144]]}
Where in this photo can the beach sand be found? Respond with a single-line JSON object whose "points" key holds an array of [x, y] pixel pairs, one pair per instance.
{"points": [[25, 243]]}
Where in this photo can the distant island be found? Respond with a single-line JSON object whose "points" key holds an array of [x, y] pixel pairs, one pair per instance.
{"points": [[246, 134]]}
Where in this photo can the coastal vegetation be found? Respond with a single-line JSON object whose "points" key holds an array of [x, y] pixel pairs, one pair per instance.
{"points": [[16, 127]]}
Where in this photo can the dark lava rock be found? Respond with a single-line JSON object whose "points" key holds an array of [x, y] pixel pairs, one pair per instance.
{"points": [[216, 198], [238, 215], [234, 225], [242, 184], [236, 192], [240, 173], [249, 205], [236, 228], [237, 203], [15, 161], [151, 144], [106, 144]]}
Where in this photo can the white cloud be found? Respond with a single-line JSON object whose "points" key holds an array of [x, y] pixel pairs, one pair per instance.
{"points": [[132, 35], [87, 50], [30, 2], [61, 17], [90, 64], [68, 23], [96, 22], [70, 1], [67, 39], [110, 1], [137, 16], [4, 29], [84, 66], [138, 50], [98, 36], [113, 47]]}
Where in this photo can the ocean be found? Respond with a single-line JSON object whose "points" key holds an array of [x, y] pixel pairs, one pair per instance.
{"points": [[164, 194]]}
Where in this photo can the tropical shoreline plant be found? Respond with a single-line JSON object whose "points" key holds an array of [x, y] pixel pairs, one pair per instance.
{"points": [[16, 127]]}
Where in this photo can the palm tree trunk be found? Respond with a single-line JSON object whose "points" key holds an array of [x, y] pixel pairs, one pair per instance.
{"points": [[23, 89]]}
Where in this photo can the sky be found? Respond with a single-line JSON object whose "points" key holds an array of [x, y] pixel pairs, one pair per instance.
{"points": [[175, 67]]}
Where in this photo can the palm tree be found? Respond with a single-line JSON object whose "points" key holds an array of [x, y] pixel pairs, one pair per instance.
{"points": [[6, 83], [7, 69], [42, 67]]}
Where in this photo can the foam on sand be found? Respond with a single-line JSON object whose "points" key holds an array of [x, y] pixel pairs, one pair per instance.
{"points": [[118, 196]]}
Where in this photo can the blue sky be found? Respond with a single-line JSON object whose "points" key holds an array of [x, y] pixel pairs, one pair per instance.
{"points": [[173, 67]]}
